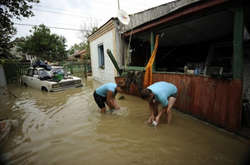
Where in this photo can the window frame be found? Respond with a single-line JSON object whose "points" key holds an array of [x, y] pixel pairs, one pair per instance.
{"points": [[35, 72], [101, 58], [30, 72]]}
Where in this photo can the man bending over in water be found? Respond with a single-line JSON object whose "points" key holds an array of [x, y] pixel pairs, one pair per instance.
{"points": [[163, 93], [106, 94]]}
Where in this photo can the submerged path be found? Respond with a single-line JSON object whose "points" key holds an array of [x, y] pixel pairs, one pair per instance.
{"points": [[66, 128]]}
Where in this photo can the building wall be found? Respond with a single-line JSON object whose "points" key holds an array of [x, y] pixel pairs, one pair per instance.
{"points": [[118, 44], [108, 73]]}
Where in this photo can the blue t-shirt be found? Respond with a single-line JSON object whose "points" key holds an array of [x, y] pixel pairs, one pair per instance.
{"points": [[162, 90], [102, 90]]}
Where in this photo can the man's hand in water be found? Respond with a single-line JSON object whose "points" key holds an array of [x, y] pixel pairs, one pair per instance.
{"points": [[150, 119], [113, 105]]}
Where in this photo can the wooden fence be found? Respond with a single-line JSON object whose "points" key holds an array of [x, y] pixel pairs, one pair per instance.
{"points": [[213, 100]]}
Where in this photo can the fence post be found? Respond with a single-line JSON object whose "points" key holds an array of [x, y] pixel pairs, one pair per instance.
{"points": [[85, 70]]}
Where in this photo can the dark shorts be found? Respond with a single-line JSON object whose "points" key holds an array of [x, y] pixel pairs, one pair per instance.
{"points": [[173, 95], [100, 101]]}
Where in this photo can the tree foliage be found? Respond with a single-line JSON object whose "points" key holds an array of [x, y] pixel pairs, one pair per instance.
{"points": [[77, 47], [94, 29], [43, 44], [10, 10], [83, 45]]}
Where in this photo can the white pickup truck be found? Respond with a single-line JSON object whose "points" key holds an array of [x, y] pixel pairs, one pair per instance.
{"points": [[45, 80]]}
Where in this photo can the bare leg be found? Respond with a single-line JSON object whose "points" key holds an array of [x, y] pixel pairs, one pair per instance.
{"points": [[155, 110], [157, 119], [171, 102], [103, 110]]}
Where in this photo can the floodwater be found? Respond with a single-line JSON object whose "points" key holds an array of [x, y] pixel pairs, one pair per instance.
{"points": [[66, 128]]}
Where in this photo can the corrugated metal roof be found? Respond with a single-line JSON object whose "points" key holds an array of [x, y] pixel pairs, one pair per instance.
{"points": [[154, 13], [151, 14]]}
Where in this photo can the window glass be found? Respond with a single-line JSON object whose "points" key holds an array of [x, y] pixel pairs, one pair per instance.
{"points": [[57, 71], [30, 72], [101, 56], [35, 72], [43, 74]]}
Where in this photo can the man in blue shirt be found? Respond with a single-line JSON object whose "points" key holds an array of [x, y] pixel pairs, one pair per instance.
{"points": [[106, 94], [163, 93]]}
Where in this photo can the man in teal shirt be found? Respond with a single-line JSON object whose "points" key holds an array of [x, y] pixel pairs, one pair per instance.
{"points": [[163, 93], [106, 94]]}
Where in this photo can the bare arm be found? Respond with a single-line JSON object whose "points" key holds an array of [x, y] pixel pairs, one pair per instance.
{"points": [[111, 101], [153, 112]]}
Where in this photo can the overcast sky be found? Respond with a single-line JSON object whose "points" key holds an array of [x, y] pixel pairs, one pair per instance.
{"points": [[67, 16]]}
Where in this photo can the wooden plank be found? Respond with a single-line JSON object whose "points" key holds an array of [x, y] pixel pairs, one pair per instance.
{"points": [[222, 97], [234, 105], [207, 98], [213, 100]]}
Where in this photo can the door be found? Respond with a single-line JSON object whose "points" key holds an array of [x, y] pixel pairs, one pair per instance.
{"points": [[36, 81]]}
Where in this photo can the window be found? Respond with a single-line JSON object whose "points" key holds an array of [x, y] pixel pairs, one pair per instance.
{"points": [[35, 72], [30, 72], [101, 56], [44, 74]]}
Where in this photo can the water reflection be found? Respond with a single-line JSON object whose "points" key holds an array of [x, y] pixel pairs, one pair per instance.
{"points": [[67, 128]]}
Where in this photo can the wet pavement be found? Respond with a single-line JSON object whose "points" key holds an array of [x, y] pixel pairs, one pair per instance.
{"points": [[66, 128]]}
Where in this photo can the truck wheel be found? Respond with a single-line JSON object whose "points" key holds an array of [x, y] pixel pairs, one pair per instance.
{"points": [[25, 85], [44, 89]]}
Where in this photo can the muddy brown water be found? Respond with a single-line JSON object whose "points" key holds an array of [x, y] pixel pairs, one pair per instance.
{"points": [[66, 128]]}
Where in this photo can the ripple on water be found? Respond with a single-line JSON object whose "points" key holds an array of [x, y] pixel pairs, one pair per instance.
{"points": [[67, 128]]}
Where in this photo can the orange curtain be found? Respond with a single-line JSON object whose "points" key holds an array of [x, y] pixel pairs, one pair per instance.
{"points": [[148, 69]]}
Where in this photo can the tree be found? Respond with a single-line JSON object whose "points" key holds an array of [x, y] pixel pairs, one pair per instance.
{"points": [[77, 47], [87, 34], [10, 10], [43, 44], [85, 43], [94, 29]]}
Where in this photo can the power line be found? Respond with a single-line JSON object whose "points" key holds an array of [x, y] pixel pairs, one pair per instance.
{"points": [[40, 8], [53, 27], [62, 13], [92, 20], [49, 7], [62, 24]]}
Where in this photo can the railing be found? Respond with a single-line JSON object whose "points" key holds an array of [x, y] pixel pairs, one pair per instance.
{"points": [[14, 70], [78, 69]]}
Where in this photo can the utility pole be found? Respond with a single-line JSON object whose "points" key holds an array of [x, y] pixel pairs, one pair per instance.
{"points": [[118, 4]]}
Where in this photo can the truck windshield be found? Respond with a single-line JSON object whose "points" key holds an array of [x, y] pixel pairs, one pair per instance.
{"points": [[43, 74], [57, 71]]}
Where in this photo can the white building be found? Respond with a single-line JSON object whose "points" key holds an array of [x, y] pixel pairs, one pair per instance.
{"points": [[106, 37]]}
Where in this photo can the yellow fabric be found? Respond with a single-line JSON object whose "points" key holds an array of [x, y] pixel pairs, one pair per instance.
{"points": [[148, 69]]}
